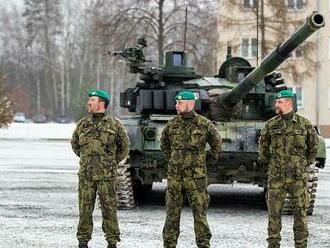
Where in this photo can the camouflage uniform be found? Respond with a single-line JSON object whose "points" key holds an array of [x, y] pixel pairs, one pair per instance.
{"points": [[101, 143], [183, 144], [288, 144]]}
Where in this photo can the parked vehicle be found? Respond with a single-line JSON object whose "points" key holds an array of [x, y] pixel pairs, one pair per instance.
{"points": [[20, 117], [63, 119], [39, 118]]}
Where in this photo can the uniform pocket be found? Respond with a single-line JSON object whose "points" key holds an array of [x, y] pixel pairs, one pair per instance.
{"points": [[201, 185], [175, 137], [84, 168], [201, 196], [172, 169], [299, 139], [199, 159], [107, 136], [274, 168], [299, 165], [199, 172], [109, 167], [197, 137], [276, 138]]}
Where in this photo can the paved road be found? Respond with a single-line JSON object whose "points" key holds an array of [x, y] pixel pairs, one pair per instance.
{"points": [[38, 207]]}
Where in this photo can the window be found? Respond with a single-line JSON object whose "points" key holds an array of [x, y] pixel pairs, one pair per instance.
{"points": [[249, 4], [245, 47], [254, 47], [295, 4], [249, 47], [300, 96]]}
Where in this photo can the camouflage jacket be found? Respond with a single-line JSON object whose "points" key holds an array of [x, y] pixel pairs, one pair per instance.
{"points": [[100, 146], [287, 147], [183, 144]]}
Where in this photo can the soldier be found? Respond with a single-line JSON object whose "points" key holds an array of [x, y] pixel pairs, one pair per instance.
{"points": [[101, 143], [287, 146], [183, 144]]}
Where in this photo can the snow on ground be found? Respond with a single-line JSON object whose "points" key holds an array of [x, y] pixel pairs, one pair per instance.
{"points": [[38, 131], [39, 207], [327, 142]]}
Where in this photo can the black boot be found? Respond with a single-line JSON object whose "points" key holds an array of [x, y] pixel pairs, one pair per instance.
{"points": [[112, 245], [82, 244]]}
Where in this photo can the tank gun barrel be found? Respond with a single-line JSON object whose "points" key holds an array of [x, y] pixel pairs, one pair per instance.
{"points": [[273, 60]]}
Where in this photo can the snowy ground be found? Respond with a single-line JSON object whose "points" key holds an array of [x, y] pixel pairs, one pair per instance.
{"points": [[38, 205], [28, 131]]}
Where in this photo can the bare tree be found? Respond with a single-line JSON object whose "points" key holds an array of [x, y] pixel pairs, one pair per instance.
{"points": [[52, 52], [162, 22], [14, 58], [43, 25]]}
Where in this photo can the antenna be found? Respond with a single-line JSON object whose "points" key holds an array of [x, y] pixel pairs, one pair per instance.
{"points": [[185, 29], [257, 10]]}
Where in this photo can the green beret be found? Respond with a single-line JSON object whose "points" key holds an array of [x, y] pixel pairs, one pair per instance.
{"points": [[185, 95], [100, 93], [285, 94]]}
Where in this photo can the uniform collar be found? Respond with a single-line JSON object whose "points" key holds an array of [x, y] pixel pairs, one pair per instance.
{"points": [[188, 115], [294, 117], [98, 114], [90, 117]]}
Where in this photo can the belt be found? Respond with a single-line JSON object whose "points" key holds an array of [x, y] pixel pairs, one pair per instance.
{"points": [[187, 151]]}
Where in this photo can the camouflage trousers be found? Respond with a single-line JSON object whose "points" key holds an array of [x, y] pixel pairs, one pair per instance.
{"points": [[275, 201], [196, 192], [106, 191]]}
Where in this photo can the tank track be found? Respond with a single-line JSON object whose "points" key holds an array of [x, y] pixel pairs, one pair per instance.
{"points": [[125, 195], [312, 186]]}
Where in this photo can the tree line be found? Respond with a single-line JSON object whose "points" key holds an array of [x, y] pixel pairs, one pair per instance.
{"points": [[51, 50]]}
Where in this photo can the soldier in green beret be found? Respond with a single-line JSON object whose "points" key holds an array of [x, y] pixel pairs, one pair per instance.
{"points": [[101, 143], [183, 144], [288, 145]]}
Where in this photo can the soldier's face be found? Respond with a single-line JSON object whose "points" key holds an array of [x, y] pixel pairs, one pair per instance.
{"points": [[283, 106], [94, 105], [184, 106]]}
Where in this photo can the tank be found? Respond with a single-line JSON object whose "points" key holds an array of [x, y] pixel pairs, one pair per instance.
{"points": [[239, 99]]}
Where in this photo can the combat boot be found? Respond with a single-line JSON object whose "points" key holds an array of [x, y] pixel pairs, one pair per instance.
{"points": [[112, 245], [82, 244]]}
